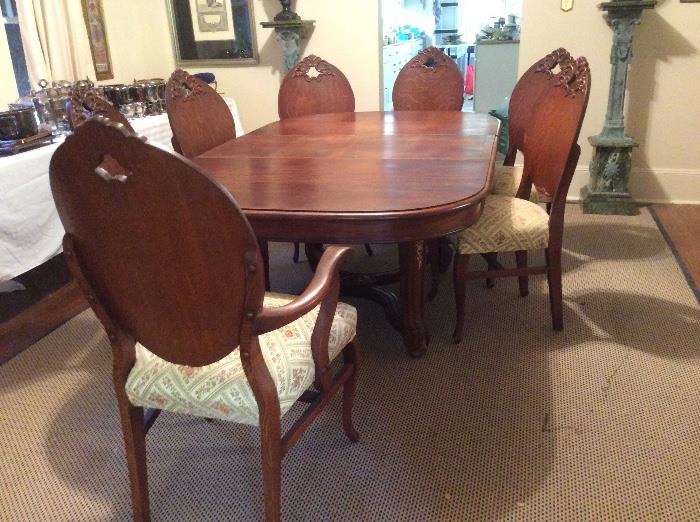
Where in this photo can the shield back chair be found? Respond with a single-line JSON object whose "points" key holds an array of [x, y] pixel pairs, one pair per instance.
{"points": [[86, 103], [181, 324], [524, 102], [314, 86], [199, 117], [515, 224], [430, 81]]}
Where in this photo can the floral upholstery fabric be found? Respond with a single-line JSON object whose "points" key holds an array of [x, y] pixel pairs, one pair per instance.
{"points": [[506, 224], [221, 389], [506, 182]]}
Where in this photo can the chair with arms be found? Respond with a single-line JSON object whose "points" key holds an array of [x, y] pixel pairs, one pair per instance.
{"points": [[515, 224], [195, 333], [430, 81], [86, 103], [314, 86], [198, 115]]}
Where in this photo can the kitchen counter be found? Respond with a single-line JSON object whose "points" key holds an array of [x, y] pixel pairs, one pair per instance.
{"points": [[492, 42]]}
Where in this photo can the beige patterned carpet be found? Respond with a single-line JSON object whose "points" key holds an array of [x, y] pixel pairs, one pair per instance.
{"points": [[598, 422]]}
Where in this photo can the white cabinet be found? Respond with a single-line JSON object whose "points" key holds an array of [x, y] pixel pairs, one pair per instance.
{"points": [[495, 73], [395, 56]]}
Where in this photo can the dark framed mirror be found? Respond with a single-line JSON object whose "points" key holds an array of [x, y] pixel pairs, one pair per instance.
{"points": [[213, 32]]}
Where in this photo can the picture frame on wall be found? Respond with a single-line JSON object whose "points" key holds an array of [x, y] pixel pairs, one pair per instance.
{"points": [[97, 35], [213, 32]]}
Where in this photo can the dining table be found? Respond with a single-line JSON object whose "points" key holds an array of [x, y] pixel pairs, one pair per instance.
{"points": [[402, 177]]}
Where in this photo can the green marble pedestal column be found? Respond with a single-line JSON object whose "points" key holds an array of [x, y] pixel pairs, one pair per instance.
{"points": [[607, 191]]}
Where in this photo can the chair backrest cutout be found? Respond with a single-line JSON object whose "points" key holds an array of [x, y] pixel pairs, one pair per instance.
{"points": [[164, 250], [314, 86], [199, 117], [430, 81]]}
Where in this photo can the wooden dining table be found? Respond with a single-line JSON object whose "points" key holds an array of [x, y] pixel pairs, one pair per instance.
{"points": [[365, 177]]}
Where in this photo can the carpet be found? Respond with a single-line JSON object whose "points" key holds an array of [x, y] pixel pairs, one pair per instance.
{"points": [[598, 422]]}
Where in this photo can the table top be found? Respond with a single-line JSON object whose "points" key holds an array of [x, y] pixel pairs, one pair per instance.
{"points": [[370, 176]]}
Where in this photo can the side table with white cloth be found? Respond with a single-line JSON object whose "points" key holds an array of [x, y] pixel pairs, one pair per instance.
{"points": [[30, 230]]}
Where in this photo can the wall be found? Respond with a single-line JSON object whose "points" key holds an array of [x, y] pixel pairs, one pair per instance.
{"points": [[8, 87], [662, 88], [141, 47], [139, 40], [346, 36]]}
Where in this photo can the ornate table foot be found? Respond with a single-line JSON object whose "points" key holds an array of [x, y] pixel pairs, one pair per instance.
{"points": [[404, 314], [412, 262]]}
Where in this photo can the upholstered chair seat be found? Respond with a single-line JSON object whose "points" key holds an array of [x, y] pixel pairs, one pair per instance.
{"points": [[507, 224], [221, 390], [507, 180]]}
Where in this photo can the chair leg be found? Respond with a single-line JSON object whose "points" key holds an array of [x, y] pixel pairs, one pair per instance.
{"points": [[492, 260], [434, 260], [351, 355], [460, 283], [368, 249], [295, 257], [555, 290], [134, 431], [271, 449], [521, 262]]}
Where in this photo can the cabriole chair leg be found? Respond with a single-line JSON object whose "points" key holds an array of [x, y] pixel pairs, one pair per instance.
{"points": [[555, 290], [460, 286], [271, 450], [521, 262], [351, 355], [134, 431]]}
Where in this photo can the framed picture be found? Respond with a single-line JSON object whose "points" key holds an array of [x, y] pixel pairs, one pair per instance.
{"points": [[97, 34], [213, 32]]}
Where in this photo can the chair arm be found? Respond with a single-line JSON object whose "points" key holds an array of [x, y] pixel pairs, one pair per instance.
{"points": [[325, 279]]}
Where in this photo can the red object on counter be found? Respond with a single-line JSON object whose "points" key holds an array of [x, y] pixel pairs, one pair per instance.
{"points": [[469, 80]]}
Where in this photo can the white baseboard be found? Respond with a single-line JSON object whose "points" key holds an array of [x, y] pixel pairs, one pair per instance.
{"points": [[680, 186], [650, 185]]}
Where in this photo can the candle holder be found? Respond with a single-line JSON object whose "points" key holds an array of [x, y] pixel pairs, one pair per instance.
{"points": [[607, 190]]}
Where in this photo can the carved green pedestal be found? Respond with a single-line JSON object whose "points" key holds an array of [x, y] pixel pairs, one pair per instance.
{"points": [[289, 29], [607, 192]]}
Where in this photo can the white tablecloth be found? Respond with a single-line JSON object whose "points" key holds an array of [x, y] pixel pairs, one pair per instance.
{"points": [[30, 231]]}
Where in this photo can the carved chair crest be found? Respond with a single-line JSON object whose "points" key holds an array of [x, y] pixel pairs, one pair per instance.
{"points": [[570, 71], [430, 60], [321, 67], [185, 86], [88, 103]]}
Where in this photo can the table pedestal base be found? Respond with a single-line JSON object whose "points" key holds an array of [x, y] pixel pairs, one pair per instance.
{"points": [[405, 312]]}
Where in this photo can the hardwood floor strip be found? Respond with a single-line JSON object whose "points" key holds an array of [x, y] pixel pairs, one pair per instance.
{"points": [[30, 325], [680, 226]]}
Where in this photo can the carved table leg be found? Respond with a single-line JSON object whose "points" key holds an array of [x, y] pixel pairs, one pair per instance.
{"points": [[412, 262]]}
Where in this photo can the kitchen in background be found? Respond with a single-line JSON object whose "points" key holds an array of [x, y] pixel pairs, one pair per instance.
{"points": [[483, 37]]}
